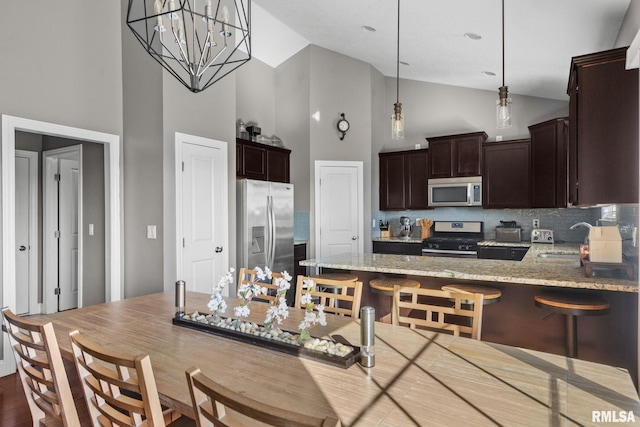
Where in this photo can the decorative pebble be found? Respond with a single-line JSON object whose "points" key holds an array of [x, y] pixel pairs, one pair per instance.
{"points": [[276, 334]]}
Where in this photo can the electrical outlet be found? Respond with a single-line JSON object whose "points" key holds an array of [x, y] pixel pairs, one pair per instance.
{"points": [[536, 223]]}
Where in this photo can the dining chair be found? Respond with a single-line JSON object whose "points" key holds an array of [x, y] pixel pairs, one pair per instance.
{"points": [[341, 297], [41, 371], [216, 405], [248, 276], [438, 310], [120, 389]]}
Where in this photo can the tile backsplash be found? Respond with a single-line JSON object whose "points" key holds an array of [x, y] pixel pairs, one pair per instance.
{"points": [[558, 220]]}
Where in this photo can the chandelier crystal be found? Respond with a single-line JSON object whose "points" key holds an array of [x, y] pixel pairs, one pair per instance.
{"points": [[197, 41]]}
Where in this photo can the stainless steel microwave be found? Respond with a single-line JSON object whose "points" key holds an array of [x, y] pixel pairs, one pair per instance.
{"points": [[463, 191]]}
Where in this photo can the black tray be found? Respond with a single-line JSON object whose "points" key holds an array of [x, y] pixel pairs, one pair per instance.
{"points": [[330, 359]]}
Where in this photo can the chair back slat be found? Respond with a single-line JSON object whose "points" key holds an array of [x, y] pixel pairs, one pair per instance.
{"points": [[119, 388], [438, 310], [339, 297], [211, 399], [248, 276], [41, 371]]}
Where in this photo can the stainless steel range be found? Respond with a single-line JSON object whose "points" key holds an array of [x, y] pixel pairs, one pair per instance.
{"points": [[454, 238]]}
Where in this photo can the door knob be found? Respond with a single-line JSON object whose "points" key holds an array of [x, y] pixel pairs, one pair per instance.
{"points": [[354, 238], [218, 249], [22, 248]]}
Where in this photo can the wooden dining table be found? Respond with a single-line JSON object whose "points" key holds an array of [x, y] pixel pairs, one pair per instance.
{"points": [[420, 378]]}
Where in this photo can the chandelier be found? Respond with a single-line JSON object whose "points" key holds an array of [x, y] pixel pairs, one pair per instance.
{"points": [[197, 41], [503, 104]]}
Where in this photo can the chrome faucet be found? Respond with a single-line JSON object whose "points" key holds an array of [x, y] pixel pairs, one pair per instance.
{"points": [[578, 224]]}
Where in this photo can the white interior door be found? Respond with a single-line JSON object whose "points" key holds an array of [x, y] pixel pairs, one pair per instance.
{"points": [[202, 215], [68, 254], [339, 208], [26, 228], [62, 188]]}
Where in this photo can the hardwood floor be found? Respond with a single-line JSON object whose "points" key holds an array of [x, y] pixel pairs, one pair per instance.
{"points": [[14, 409]]}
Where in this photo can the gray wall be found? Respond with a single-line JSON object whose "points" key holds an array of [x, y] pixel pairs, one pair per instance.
{"points": [[630, 25], [255, 95]]}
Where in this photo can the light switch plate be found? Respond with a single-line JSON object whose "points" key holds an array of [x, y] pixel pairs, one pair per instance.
{"points": [[151, 231]]}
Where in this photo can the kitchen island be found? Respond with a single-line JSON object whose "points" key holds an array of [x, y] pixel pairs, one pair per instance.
{"points": [[532, 270], [515, 320]]}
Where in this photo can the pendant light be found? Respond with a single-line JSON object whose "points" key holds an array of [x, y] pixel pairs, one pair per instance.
{"points": [[503, 104], [397, 119]]}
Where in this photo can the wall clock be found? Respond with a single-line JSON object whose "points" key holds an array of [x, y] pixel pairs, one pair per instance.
{"points": [[343, 126]]}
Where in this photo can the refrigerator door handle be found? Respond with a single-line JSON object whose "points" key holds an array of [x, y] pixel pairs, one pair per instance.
{"points": [[270, 231]]}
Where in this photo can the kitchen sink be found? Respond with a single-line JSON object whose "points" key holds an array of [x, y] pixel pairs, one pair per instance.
{"points": [[558, 256]]}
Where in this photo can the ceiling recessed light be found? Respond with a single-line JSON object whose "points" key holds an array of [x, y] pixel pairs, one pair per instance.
{"points": [[368, 28], [404, 63], [488, 73], [472, 36]]}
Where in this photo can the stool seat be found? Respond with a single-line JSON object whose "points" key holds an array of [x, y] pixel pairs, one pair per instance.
{"points": [[343, 277], [491, 295], [572, 303], [577, 304], [385, 285]]}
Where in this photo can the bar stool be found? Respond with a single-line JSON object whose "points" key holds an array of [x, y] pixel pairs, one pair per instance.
{"points": [[342, 277], [385, 286], [572, 304], [491, 295]]}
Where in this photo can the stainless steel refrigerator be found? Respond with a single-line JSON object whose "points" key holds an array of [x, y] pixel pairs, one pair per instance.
{"points": [[265, 225]]}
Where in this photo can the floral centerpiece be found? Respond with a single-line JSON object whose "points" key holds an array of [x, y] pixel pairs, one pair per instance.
{"points": [[275, 314]]}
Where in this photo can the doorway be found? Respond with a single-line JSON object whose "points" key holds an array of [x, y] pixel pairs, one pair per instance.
{"points": [[339, 230], [202, 233], [63, 243], [113, 215]]}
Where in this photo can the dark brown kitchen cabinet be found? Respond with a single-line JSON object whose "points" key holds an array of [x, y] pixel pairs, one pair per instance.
{"points": [[456, 155], [603, 129], [262, 162], [506, 174], [403, 180], [549, 181]]}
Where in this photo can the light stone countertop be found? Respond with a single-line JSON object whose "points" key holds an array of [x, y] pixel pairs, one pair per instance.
{"points": [[532, 270]]}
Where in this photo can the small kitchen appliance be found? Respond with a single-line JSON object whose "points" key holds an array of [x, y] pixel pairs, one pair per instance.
{"points": [[541, 236], [405, 227], [454, 238], [508, 231]]}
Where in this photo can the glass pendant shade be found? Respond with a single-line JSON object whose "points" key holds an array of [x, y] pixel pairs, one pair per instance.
{"points": [[196, 41], [503, 109], [397, 122]]}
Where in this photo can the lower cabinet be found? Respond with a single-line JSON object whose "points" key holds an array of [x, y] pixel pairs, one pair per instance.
{"points": [[509, 253], [299, 254], [397, 248]]}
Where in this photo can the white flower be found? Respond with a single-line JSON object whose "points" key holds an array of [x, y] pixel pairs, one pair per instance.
{"points": [[217, 303], [241, 311]]}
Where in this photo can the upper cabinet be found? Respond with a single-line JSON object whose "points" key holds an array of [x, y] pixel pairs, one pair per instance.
{"points": [[260, 161], [506, 179], [456, 155], [403, 180], [603, 129], [549, 163]]}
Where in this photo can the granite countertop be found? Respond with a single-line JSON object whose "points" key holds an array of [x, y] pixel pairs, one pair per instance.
{"points": [[532, 270]]}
